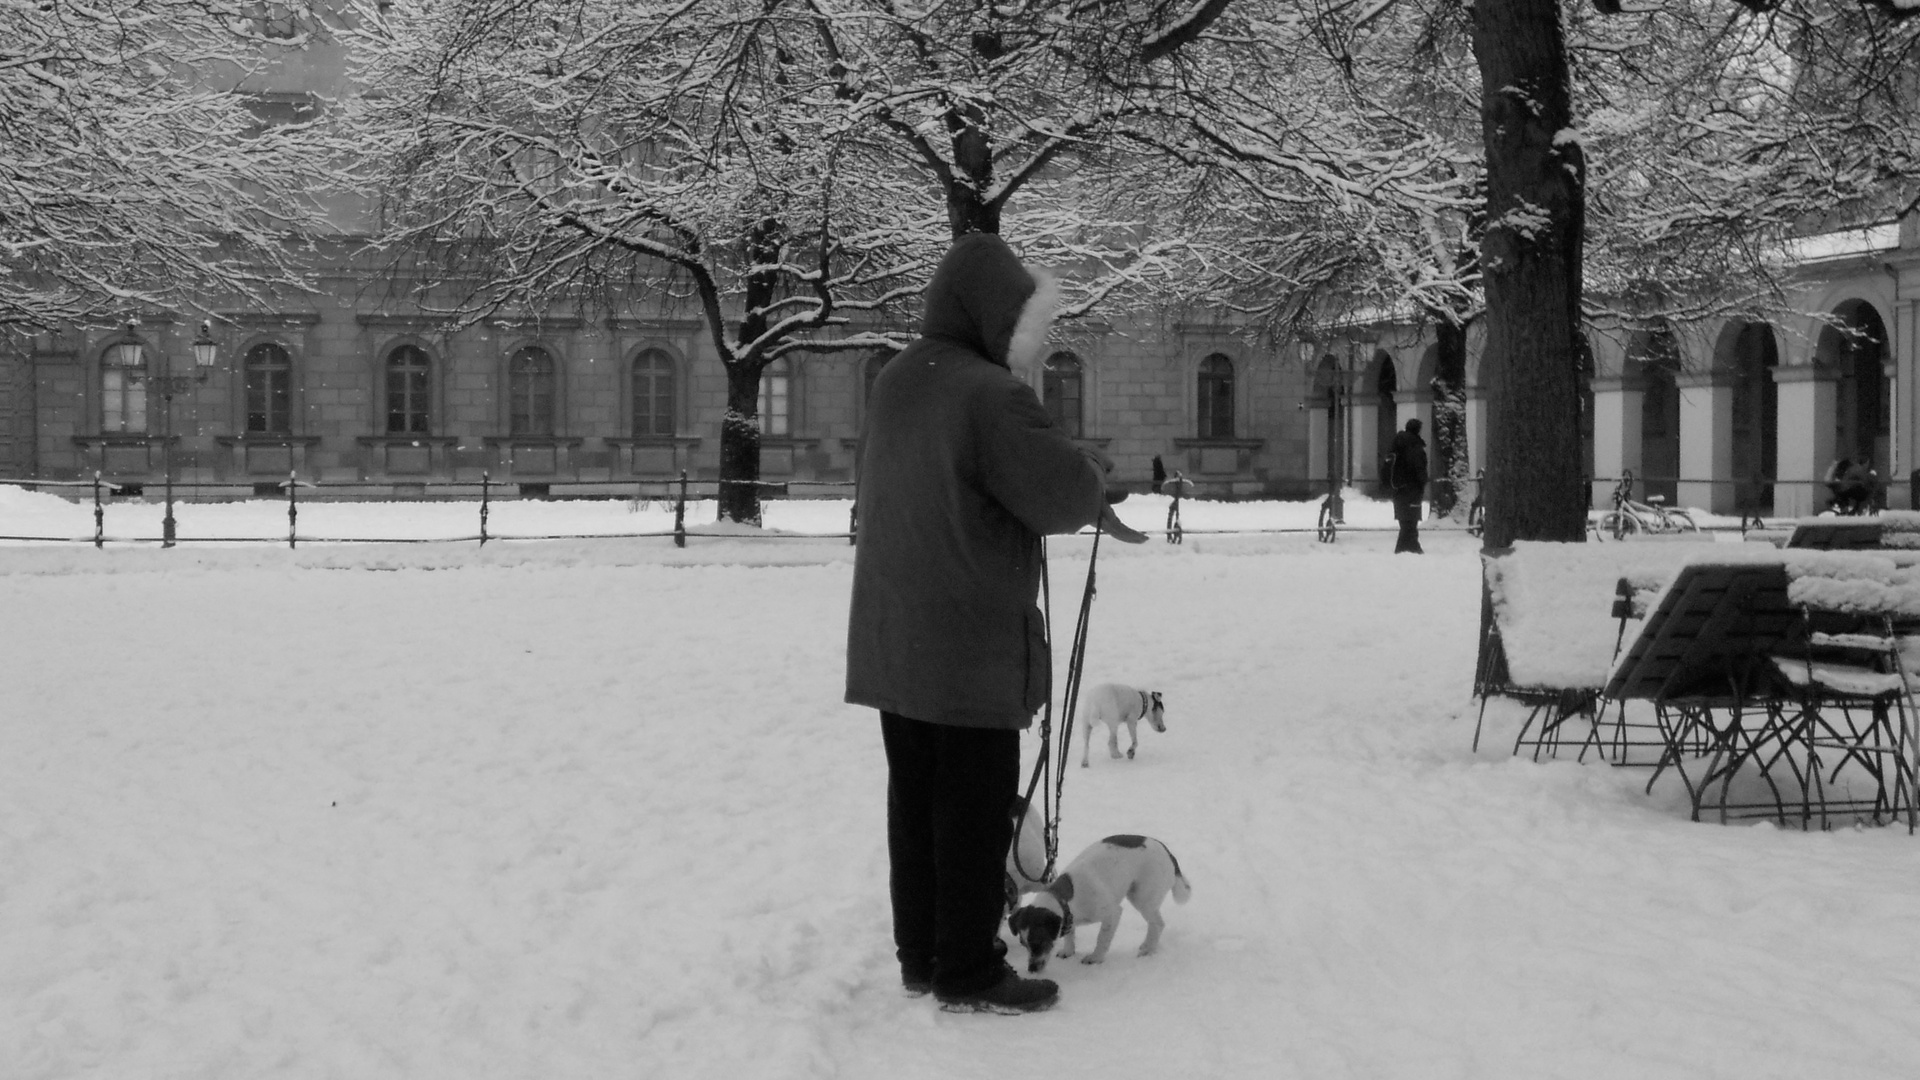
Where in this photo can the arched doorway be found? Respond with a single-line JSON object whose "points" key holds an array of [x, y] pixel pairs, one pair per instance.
{"points": [[1325, 424], [1655, 355], [1386, 383], [1756, 417], [1853, 345]]}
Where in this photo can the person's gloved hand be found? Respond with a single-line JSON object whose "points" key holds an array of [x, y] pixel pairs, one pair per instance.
{"points": [[1111, 524]]}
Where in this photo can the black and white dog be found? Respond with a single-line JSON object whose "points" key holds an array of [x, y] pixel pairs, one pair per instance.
{"points": [[1114, 704], [1138, 868]]}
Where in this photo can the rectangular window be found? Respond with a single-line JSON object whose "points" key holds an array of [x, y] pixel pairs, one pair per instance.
{"points": [[653, 396], [123, 405], [532, 394], [775, 400], [1216, 409], [269, 383], [407, 400]]}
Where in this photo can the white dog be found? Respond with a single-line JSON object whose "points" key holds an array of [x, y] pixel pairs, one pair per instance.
{"points": [[1114, 704], [1139, 868]]}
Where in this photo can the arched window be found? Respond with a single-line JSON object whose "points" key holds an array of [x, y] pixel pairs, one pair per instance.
{"points": [[268, 374], [652, 394], [123, 388], [530, 392], [1061, 390], [409, 397], [776, 398], [1216, 397]]}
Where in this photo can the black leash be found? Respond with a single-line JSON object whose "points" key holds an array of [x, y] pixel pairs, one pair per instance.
{"points": [[1045, 762]]}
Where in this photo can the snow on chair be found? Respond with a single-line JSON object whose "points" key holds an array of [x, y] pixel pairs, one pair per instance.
{"points": [[1853, 668], [1548, 638]]}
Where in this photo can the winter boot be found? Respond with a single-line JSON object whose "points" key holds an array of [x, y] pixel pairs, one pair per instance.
{"points": [[1011, 995]]}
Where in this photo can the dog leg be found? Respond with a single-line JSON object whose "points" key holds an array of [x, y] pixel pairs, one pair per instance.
{"points": [[1113, 740], [1066, 945], [1086, 740], [1099, 953], [1133, 733], [1154, 925]]}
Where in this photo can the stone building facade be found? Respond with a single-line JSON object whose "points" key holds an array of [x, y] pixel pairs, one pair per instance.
{"points": [[363, 401]]}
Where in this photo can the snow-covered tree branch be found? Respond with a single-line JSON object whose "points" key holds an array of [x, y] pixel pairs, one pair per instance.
{"points": [[140, 167]]}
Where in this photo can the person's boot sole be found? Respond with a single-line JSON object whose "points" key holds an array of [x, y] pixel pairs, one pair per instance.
{"points": [[997, 1010]]}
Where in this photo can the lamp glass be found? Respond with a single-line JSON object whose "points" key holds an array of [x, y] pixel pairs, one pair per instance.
{"points": [[205, 349]]}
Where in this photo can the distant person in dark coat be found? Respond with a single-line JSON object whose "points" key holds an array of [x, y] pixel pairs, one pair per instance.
{"points": [[961, 473], [1407, 477]]}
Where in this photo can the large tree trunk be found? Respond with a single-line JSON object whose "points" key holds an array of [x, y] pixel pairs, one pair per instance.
{"points": [[1450, 418], [1530, 261], [740, 447], [740, 428], [967, 208]]}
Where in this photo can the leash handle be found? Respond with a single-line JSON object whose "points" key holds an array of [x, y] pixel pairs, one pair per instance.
{"points": [[1052, 795], [1070, 703]]}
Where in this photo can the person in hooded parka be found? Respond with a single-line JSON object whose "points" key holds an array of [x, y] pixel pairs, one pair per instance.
{"points": [[961, 472]]}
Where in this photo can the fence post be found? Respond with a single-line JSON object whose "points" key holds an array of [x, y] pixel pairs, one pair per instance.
{"points": [[486, 494], [680, 514], [853, 525], [293, 508], [99, 514]]}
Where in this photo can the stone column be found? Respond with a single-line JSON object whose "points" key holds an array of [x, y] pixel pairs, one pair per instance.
{"points": [[1365, 468], [1706, 440], [1904, 352], [1476, 433], [1316, 441], [1805, 439], [1616, 434]]}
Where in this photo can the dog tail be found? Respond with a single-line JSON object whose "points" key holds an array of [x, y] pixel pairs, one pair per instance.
{"points": [[1181, 890]]}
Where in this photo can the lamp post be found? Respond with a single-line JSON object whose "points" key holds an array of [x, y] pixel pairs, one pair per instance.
{"points": [[205, 352]]}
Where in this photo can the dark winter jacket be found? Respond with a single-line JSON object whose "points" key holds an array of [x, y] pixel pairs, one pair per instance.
{"points": [[1407, 474], [961, 472]]}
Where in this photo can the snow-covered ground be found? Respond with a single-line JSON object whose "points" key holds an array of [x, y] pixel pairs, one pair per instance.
{"points": [[593, 808]]}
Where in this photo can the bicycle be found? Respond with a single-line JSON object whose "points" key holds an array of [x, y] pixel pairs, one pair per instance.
{"points": [[1630, 517]]}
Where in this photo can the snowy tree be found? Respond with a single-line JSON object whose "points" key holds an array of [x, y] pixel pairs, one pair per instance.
{"points": [[1645, 163], [137, 166], [767, 162], [607, 153]]}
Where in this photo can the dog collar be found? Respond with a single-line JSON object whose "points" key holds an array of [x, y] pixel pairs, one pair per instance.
{"points": [[1143, 701]]}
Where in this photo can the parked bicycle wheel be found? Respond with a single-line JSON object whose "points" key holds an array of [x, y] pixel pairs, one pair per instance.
{"points": [[1617, 525], [1681, 521]]}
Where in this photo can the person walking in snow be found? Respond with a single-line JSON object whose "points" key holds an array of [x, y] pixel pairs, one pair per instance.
{"points": [[960, 474], [1407, 478]]}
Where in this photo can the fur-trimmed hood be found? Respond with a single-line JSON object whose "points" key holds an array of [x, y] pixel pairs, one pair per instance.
{"points": [[982, 297]]}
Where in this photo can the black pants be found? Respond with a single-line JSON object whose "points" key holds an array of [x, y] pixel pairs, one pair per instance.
{"points": [[1409, 537], [948, 794]]}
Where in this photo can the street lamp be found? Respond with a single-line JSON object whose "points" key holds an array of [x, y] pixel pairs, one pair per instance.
{"points": [[205, 352]]}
